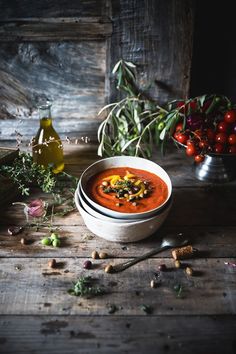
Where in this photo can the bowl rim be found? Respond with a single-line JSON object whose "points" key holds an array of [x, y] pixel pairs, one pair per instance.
{"points": [[104, 217], [118, 214], [77, 202]]}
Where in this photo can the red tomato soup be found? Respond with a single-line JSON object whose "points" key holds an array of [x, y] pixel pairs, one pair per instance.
{"points": [[127, 190]]}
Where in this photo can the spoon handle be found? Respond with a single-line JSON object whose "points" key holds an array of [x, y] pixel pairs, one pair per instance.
{"points": [[122, 266]]}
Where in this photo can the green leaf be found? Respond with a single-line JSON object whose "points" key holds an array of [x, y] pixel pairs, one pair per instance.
{"points": [[131, 65], [116, 67], [128, 143]]}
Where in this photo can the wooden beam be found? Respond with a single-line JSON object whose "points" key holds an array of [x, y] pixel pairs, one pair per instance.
{"points": [[55, 29], [114, 334]]}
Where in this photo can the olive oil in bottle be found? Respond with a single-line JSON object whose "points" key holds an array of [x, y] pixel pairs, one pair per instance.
{"points": [[47, 147]]}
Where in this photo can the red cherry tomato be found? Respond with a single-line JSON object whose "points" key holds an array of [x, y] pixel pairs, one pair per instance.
{"points": [[230, 116], [199, 158], [191, 150], [181, 105], [210, 135], [190, 142], [221, 138], [232, 149], [182, 138], [223, 127], [232, 139], [203, 144], [179, 127], [218, 148]]}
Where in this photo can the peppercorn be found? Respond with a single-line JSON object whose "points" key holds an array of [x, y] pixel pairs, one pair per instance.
{"points": [[103, 255], [95, 255], [177, 264], [87, 265], [162, 267], [189, 271], [46, 241], [52, 263], [108, 268]]}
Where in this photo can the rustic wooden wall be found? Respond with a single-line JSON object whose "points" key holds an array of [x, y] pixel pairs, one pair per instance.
{"points": [[66, 51]]}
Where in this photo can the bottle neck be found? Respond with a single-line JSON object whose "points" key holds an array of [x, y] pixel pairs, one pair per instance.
{"points": [[45, 116]]}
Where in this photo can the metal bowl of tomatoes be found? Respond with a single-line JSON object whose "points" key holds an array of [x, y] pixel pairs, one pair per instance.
{"points": [[212, 145]]}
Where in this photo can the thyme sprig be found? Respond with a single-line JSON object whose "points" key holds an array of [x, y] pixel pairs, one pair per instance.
{"points": [[25, 173], [84, 287]]}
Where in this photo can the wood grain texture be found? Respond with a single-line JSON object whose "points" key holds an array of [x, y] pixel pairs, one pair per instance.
{"points": [[78, 241], [211, 291], [50, 8], [72, 75], [157, 334], [157, 36], [57, 30]]}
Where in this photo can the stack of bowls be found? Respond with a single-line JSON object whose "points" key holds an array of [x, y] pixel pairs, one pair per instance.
{"points": [[114, 225]]}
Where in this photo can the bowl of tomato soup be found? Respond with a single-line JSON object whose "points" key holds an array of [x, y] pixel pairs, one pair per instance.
{"points": [[126, 187], [126, 231]]}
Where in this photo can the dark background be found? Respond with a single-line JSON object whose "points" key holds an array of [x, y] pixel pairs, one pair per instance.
{"points": [[214, 49]]}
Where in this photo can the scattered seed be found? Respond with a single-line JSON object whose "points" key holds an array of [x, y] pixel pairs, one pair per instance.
{"points": [[153, 284], [162, 267], [103, 255], [118, 204], [189, 271], [52, 263], [134, 204], [23, 241], [177, 264], [108, 268], [95, 255], [145, 192], [112, 308], [87, 265]]}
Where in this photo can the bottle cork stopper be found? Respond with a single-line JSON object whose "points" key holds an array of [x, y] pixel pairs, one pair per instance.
{"points": [[182, 252]]}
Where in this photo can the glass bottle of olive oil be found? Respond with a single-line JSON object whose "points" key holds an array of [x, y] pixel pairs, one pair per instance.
{"points": [[47, 147]]}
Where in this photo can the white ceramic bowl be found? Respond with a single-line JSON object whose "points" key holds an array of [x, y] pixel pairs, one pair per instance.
{"points": [[123, 161], [122, 232], [87, 207]]}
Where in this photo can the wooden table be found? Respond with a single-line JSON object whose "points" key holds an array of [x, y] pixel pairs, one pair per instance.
{"points": [[39, 316]]}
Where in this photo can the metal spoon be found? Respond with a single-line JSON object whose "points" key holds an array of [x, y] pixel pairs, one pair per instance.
{"points": [[167, 242]]}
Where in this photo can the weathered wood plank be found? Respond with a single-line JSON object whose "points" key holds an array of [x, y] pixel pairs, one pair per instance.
{"points": [[51, 29], [50, 8], [75, 128], [72, 75], [155, 334], [29, 285], [78, 241], [157, 36]]}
